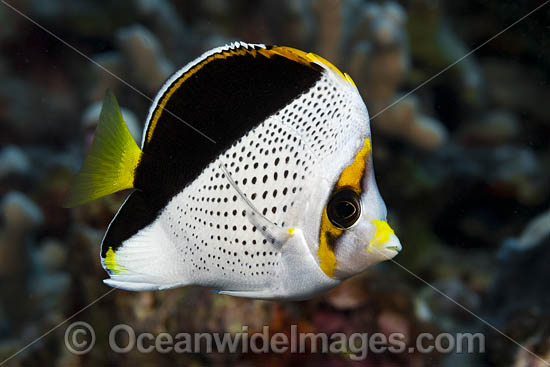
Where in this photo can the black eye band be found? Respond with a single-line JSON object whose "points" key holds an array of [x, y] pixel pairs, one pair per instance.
{"points": [[344, 208]]}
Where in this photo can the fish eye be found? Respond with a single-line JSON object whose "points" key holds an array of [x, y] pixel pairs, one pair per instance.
{"points": [[344, 208]]}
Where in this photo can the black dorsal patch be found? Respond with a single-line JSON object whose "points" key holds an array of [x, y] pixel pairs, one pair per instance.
{"points": [[224, 96]]}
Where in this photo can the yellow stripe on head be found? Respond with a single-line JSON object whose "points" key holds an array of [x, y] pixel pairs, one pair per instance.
{"points": [[351, 177], [327, 239]]}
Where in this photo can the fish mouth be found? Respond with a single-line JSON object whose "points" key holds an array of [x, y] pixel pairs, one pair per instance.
{"points": [[384, 239], [393, 244], [394, 248], [387, 250]]}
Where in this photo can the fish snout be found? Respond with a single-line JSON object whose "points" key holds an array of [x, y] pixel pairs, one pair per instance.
{"points": [[383, 239]]}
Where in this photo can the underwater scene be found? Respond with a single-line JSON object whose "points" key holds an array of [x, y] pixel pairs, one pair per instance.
{"points": [[275, 183]]}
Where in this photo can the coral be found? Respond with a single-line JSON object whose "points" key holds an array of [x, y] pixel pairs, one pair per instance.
{"points": [[462, 163]]}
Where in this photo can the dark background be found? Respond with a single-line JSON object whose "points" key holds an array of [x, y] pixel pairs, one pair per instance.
{"points": [[462, 163]]}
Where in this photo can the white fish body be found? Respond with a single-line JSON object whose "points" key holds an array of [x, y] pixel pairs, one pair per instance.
{"points": [[255, 221]]}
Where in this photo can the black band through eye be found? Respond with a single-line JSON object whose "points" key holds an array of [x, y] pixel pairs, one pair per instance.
{"points": [[344, 208]]}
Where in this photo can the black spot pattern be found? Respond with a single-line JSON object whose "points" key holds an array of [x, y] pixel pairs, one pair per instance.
{"points": [[224, 99], [273, 165]]}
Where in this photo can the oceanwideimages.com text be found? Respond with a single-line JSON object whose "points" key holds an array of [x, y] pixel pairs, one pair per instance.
{"points": [[80, 338]]}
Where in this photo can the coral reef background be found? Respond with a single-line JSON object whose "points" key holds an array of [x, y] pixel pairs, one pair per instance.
{"points": [[463, 164]]}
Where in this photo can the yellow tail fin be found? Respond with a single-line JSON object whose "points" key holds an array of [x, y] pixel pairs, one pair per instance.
{"points": [[111, 161]]}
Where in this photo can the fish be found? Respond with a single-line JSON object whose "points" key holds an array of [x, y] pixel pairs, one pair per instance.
{"points": [[254, 179]]}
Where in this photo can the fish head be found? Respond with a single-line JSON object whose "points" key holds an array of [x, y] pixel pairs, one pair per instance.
{"points": [[366, 238], [343, 216], [354, 233]]}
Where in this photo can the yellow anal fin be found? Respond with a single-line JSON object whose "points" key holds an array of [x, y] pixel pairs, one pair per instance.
{"points": [[111, 161], [111, 263]]}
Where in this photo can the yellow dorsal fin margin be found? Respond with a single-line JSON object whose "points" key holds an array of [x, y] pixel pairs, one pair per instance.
{"points": [[308, 58]]}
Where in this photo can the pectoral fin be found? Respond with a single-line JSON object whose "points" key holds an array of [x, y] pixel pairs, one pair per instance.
{"points": [[275, 234]]}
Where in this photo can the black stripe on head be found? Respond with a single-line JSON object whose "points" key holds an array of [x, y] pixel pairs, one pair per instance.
{"points": [[224, 98]]}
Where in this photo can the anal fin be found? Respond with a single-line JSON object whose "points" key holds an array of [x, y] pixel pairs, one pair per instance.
{"points": [[141, 258], [256, 294]]}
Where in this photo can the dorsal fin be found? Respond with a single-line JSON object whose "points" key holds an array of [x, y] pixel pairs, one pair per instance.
{"points": [[224, 52]]}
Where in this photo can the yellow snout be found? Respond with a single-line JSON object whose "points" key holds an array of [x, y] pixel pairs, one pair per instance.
{"points": [[384, 238]]}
